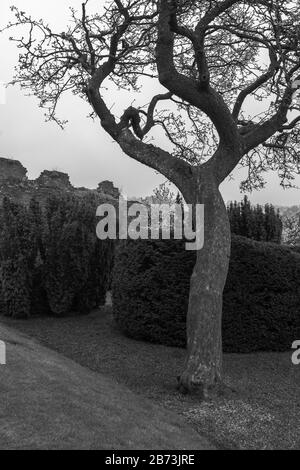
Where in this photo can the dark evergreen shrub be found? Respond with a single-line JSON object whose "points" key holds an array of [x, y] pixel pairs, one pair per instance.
{"points": [[18, 250], [16, 288], [261, 298], [255, 222], [51, 261], [76, 262], [39, 301]]}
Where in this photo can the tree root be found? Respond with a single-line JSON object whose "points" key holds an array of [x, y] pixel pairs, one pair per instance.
{"points": [[205, 392]]}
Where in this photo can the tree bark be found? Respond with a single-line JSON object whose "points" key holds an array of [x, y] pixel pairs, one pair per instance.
{"points": [[203, 365]]}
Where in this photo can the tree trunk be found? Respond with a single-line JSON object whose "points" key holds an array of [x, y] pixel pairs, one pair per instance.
{"points": [[203, 366]]}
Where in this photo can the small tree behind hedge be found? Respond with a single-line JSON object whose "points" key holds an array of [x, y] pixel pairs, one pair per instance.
{"points": [[261, 299], [292, 230]]}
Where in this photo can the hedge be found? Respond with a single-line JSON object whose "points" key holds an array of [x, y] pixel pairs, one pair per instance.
{"points": [[261, 307], [51, 261]]}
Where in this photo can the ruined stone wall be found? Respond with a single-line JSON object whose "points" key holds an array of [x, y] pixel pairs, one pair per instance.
{"points": [[15, 184]]}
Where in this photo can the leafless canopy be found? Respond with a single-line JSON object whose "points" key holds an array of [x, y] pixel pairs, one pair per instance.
{"points": [[216, 59]]}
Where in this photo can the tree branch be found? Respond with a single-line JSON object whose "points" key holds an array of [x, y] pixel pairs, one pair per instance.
{"points": [[172, 168], [274, 66], [207, 100]]}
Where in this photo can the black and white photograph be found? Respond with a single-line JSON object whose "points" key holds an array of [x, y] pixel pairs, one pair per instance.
{"points": [[150, 228]]}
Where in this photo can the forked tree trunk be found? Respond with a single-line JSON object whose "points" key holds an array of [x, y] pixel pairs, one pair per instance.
{"points": [[203, 366]]}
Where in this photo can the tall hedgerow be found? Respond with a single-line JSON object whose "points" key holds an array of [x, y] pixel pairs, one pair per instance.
{"points": [[261, 297], [51, 261], [77, 263], [18, 251]]}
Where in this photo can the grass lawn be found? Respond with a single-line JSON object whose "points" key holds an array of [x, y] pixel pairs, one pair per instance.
{"points": [[262, 413], [51, 402]]}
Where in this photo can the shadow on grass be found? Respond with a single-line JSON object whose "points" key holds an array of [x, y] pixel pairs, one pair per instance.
{"points": [[264, 413]]}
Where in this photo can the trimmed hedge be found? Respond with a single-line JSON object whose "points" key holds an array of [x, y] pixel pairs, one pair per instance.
{"points": [[51, 261], [18, 251], [261, 309]]}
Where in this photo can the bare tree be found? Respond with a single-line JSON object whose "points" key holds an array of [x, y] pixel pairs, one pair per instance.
{"points": [[291, 226], [212, 57]]}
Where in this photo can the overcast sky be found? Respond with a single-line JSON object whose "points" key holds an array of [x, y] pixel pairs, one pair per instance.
{"points": [[83, 149]]}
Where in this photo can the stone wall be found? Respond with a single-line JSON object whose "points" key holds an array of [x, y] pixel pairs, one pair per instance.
{"points": [[11, 171], [15, 184]]}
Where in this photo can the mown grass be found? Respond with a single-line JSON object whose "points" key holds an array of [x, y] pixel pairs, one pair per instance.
{"points": [[263, 411]]}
